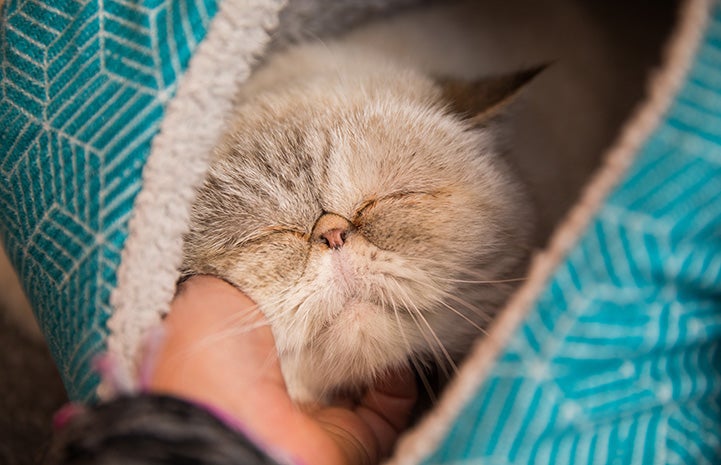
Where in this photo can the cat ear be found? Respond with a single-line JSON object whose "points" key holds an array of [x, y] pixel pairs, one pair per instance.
{"points": [[482, 99]]}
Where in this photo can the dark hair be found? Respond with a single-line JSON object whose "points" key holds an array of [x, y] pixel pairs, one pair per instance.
{"points": [[151, 429]]}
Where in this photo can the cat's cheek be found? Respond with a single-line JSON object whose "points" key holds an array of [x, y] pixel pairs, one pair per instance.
{"points": [[428, 226], [268, 268]]}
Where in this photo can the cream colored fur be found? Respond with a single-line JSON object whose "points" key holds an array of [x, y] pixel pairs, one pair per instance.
{"points": [[331, 126], [434, 217]]}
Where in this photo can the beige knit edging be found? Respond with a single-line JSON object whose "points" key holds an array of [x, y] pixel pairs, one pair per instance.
{"points": [[191, 127]]}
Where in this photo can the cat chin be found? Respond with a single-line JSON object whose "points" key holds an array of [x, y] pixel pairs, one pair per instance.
{"points": [[322, 390], [349, 337], [360, 344]]}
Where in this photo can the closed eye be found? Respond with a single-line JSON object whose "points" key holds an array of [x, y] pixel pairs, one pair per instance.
{"points": [[373, 201], [265, 233]]}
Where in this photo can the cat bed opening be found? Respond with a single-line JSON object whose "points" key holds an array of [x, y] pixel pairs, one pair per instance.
{"points": [[610, 347]]}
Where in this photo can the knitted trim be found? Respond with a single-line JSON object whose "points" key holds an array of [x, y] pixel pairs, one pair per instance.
{"points": [[192, 125]]}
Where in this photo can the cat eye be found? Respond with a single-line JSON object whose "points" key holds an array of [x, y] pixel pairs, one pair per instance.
{"points": [[373, 202], [270, 231]]}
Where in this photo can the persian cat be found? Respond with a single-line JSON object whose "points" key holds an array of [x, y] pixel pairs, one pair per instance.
{"points": [[364, 199], [366, 207]]}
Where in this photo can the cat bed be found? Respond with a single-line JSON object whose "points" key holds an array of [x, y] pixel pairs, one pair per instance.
{"points": [[609, 352]]}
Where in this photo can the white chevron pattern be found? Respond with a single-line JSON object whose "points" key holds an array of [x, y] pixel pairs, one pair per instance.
{"points": [[84, 84]]}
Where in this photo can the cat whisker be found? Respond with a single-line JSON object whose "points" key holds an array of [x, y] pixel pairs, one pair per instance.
{"points": [[302, 319], [447, 295], [473, 308], [429, 343], [414, 312], [497, 281], [483, 277], [241, 322], [219, 336], [468, 320], [416, 365]]}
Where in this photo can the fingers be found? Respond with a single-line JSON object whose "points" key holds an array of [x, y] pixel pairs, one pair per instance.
{"points": [[387, 408], [366, 433], [204, 359]]}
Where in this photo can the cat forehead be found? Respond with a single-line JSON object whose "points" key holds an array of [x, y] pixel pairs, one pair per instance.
{"points": [[384, 126], [333, 149], [379, 115], [378, 143]]}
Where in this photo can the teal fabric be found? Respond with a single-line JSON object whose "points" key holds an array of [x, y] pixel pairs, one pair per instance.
{"points": [[84, 86], [619, 361]]}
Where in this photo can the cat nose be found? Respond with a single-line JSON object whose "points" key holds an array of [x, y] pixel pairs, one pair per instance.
{"points": [[331, 229], [334, 238]]}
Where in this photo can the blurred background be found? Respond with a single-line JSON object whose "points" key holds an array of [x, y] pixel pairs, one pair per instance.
{"points": [[30, 387]]}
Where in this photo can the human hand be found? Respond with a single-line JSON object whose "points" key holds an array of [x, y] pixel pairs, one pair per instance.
{"points": [[219, 350]]}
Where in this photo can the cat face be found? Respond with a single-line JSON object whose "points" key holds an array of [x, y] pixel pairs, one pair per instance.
{"points": [[355, 213]]}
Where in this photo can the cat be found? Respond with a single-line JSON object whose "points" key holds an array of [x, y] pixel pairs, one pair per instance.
{"points": [[366, 207]]}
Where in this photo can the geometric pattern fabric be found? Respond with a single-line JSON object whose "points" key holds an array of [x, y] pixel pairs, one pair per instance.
{"points": [[84, 87], [619, 361]]}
